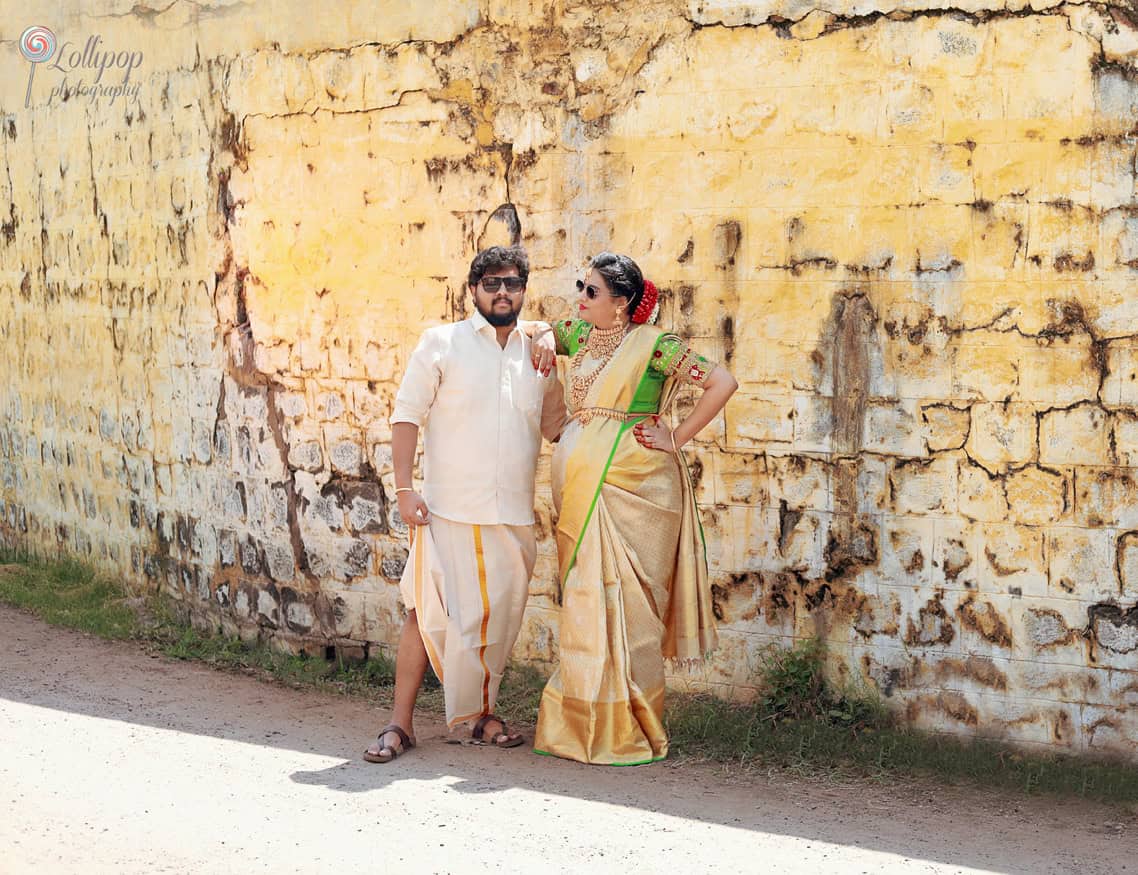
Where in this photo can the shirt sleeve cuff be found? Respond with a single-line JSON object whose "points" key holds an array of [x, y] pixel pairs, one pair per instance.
{"points": [[406, 416]]}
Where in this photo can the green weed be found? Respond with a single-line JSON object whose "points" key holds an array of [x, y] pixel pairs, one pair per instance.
{"points": [[801, 722]]}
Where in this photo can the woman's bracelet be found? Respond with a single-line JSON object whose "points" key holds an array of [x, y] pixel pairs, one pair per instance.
{"points": [[675, 449], [403, 489]]}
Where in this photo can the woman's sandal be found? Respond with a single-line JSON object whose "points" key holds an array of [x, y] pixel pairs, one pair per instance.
{"points": [[386, 752], [478, 733]]}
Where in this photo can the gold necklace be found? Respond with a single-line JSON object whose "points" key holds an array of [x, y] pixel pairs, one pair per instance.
{"points": [[601, 344]]}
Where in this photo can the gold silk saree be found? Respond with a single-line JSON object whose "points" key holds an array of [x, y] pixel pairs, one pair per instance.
{"points": [[634, 587]]}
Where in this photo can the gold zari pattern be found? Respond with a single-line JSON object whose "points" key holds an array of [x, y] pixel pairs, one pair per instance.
{"points": [[588, 414]]}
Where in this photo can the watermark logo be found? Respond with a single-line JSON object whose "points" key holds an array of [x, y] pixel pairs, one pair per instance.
{"points": [[39, 45]]}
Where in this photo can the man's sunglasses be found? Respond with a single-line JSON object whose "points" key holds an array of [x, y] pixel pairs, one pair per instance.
{"points": [[513, 284], [590, 291]]}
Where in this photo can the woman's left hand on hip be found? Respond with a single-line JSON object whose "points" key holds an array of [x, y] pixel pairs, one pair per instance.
{"points": [[653, 434]]}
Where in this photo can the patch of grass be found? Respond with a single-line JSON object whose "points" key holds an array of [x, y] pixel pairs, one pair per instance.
{"points": [[801, 723], [520, 694], [67, 593]]}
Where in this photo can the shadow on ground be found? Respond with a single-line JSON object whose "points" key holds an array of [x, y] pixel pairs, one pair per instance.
{"points": [[64, 671]]}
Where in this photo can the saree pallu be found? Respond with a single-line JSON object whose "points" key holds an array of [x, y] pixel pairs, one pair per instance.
{"points": [[633, 573]]}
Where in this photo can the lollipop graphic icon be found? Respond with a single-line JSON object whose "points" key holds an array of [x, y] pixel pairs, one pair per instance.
{"points": [[37, 44]]}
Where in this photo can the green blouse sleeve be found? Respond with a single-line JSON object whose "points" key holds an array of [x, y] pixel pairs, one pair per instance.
{"points": [[570, 334], [674, 358]]}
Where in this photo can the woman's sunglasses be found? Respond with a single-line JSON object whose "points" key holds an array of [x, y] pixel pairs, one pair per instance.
{"points": [[590, 291]]}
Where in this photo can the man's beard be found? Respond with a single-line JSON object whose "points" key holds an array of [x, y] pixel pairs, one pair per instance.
{"points": [[498, 319]]}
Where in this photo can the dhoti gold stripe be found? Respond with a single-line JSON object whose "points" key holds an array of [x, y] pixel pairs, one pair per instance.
{"points": [[481, 560]]}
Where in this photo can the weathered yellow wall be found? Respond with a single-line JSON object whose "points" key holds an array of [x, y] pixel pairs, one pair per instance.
{"points": [[912, 237]]}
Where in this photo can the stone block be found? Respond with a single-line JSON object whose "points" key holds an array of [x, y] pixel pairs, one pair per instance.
{"points": [[1126, 564], [1038, 721], [1106, 497], [800, 481], [1120, 380], [1048, 632], [365, 508], [1002, 435], [298, 616], [1114, 629], [924, 486], [345, 451], [982, 495], [307, 456], [872, 484], [739, 478], [987, 372], [1108, 730], [907, 550], [291, 404], [891, 428], [1079, 436], [986, 624], [813, 424], [763, 538], [802, 540], [754, 421], [946, 426], [1014, 560], [1037, 496], [279, 561], [537, 641], [1124, 438], [956, 554], [928, 623], [349, 611]]}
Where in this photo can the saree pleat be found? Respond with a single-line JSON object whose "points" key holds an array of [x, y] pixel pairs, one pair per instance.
{"points": [[634, 579]]}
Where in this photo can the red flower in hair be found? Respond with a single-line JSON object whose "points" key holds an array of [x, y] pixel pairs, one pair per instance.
{"points": [[647, 306]]}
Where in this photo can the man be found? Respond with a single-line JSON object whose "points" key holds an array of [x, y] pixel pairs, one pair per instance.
{"points": [[484, 401]]}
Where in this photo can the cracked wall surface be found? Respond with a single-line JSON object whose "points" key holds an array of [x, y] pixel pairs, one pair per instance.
{"points": [[911, 233]]}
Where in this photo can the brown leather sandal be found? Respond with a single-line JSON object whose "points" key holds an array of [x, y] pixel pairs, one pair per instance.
{"points": [[478, 733], [387, 753]]}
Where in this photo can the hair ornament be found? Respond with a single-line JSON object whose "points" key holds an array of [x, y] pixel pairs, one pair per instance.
{"points": [[649, 307]]}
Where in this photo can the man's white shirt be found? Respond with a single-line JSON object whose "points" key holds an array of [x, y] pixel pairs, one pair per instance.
{"points": [[482, 410]]}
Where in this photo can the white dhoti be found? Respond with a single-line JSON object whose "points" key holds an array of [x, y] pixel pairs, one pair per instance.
{"points": [[468, 585]]}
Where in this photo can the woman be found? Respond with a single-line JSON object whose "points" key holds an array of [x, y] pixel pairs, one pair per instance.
{"points": [[632, 564]]}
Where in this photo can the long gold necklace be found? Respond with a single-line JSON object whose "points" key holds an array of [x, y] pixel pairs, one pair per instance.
{"points": [[601, 344]]}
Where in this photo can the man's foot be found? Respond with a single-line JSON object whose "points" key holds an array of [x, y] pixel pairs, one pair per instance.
{"points": [[492, 730], [392, 741]]}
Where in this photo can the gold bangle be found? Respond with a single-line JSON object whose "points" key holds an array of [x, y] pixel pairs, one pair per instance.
{"points": [[403, 489], [675, 449]]}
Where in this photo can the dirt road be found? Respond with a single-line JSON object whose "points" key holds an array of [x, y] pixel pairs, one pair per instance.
{"points": [[112, 760]]}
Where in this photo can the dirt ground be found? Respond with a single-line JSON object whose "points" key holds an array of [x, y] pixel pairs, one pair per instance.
{"points": [[113, 760]]}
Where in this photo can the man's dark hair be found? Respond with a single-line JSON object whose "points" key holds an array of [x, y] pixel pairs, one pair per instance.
{"points": [[623, 276], [496, 258]]}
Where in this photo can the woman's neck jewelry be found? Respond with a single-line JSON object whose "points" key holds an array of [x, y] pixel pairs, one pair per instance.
{"points": [[601, 344]]}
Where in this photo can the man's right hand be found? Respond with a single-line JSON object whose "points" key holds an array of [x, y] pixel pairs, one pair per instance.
{"points": [[413, 509]]}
